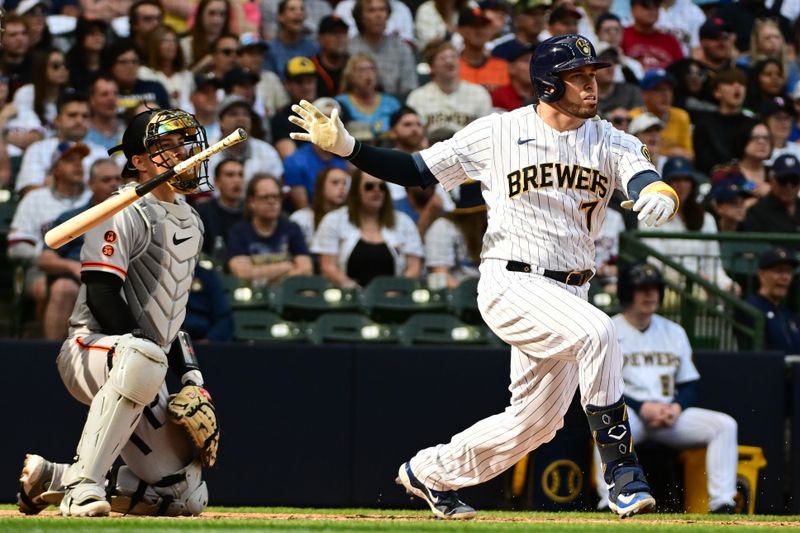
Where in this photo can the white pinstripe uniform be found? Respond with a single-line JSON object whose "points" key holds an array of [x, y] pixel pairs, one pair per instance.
{"points": [[656, 360], [547, 193]]}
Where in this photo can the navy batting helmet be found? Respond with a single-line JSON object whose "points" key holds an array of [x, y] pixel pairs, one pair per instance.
{"points": [[559, 54], [635, 276]]}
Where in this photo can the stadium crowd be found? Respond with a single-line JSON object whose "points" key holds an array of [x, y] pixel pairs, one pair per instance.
{"points": [[711, 88]]}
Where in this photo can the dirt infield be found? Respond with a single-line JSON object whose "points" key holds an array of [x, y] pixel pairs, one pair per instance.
{"points": [[6, 513]]}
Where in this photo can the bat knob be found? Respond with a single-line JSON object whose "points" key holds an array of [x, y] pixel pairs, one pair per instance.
{"points": [[242, 134]]}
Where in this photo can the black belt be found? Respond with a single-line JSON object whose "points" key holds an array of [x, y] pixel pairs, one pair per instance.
{"points": [[575, 277]]}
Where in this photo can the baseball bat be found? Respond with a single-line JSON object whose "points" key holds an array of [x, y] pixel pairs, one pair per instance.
{"points": [[83, 222]]}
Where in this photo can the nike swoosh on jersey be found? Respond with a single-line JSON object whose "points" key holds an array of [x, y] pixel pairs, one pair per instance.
{"points": [[176, 241], [523, 141]]}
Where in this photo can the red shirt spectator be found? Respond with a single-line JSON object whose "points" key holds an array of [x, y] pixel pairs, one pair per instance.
{"points": [[642, 42]]}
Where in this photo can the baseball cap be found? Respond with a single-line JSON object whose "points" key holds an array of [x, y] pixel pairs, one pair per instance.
{"points": [[773, 106], [646, 2], [677, 167], [493, 5], [563, 12], [231, 101], [252, 40], [203, 80], [331, 24], [26, 5], [468, 198], [607, 52], [300, 66], [655, 77], [239, 76], [133, 140], [732, 187], [472, 16], [513, 50], [786, 168], [527, 6], [714, 28], [777, 256], [66, 148], [644, 122]]}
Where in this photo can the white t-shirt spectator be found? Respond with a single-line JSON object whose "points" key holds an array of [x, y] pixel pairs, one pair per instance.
{"points": [[38, 159], [445, 246], [400, 23]]}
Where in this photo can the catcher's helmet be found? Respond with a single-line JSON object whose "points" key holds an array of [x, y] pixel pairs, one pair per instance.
{"points": [[559, 54], [635, 276]]}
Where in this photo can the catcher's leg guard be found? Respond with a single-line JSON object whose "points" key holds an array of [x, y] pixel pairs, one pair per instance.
{"points": [[39, 484], [136, 376], [181, 494]]}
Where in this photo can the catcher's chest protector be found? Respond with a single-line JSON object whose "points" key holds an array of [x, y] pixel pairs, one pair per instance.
{"points": [[160, 276]]}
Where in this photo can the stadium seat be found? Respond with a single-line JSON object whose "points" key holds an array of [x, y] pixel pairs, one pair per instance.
{"points": [[242, 295], [432, 328], [350, 327], [255, 325], [464, 301], [307, 297], [393, 299]]}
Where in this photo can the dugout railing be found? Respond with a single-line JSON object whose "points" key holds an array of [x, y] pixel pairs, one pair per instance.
{"points": [[694, 297]]}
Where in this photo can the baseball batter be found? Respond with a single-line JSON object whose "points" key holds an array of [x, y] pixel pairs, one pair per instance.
{"points": [[547, 173], [661, 385], [136, 272]]}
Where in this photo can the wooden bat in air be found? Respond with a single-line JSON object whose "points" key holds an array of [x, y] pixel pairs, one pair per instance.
{"points": [[83, 222]]}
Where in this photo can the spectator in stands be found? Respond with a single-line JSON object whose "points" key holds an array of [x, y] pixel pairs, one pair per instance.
{"points": [[776, 270], [741, 17], [266, 248], [620, 118], [205, 103], [519, 90], [453, 242], [258, 156], [143, 17], [795, 98], [35, 12], [63, 265], [436, 20], [751, 153], [716, 51], [164, 63], [332, 56], [38, 98], [105, 126], [682, 19], [208, 314], [698, 256], [224, 210], [39, 208], [641, 41], [330, 192], [692, 86], [657, 89], [766, 80], [606, 251], [72, 124], [612, 94], [270, 93], [290, 41], [241, 82], [301, 84], [497, 12], [778, 115], [83, 58], [591, 11], [647, 128], [476, 65], [122, 61], [778, 211], [720, 132], [728, 203], [213, 19], [15, 52], [367, 237], [397, 68], [223, 55], [400, 23], [361, 100], [316, 10], [448, 101], [766, 42], [608, 28], [528, 22], [563, 19], [661, 386]]}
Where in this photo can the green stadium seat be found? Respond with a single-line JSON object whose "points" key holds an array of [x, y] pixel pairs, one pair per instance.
{"points": [[350, 328], [432, 328], [393, 299], [242, 295], [464, 301], [307, 297], [258, 325]]}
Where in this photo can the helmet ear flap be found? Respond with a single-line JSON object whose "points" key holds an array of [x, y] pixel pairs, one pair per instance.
{"points": [[549, 89]]}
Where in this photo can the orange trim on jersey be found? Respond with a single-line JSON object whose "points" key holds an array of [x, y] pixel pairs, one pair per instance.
{"points": [[85, 346], [104, 265]]}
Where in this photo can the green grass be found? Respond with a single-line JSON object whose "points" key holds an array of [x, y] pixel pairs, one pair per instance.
{"points": [[367, 520]]}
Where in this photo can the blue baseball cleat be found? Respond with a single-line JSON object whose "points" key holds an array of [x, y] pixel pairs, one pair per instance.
{"points": [[445, 505], [630, 493]]}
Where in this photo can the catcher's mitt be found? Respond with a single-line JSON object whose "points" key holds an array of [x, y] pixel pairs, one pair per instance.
{"points": [[192, 409]]}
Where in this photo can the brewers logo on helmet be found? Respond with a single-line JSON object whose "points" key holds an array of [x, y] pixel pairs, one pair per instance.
{"points": [[635, 276], [560, 54]]}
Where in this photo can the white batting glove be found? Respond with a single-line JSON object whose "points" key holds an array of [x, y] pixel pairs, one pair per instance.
{"points": [[327, 133], [657, 203]]}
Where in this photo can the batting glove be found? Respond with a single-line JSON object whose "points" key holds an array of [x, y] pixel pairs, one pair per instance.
{"points": [[327, 133], [657, 203]]}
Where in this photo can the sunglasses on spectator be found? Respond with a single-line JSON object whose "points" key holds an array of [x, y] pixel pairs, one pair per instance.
{"points": [[371, 186], [791, 181], [618, 121], [227, 51]]}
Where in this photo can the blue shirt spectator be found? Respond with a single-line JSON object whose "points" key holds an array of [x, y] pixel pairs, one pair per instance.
{"points": [[208, 315], [300, 172]]}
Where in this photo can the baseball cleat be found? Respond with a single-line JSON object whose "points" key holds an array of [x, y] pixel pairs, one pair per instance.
{"points": [[36, 483], [85, 499], [634, 503], [445, 505]]}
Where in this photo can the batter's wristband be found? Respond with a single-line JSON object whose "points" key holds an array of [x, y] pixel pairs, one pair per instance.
{"points": [[663, 188]]}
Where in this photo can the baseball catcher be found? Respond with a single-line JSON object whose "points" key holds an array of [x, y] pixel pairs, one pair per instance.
{"points": [[136, 271]]}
